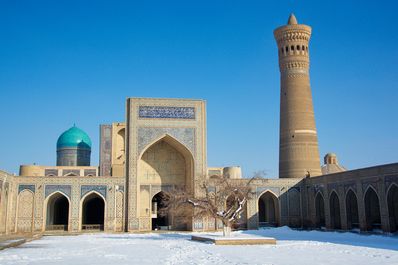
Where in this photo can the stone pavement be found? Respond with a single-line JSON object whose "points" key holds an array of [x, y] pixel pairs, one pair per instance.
{"points": [[8, 241]]}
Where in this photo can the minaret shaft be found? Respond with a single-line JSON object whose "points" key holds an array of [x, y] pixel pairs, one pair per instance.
{"points": [[298, 143]]}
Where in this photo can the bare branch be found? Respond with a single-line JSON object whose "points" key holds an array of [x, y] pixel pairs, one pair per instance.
{"points": [[223, 199]]}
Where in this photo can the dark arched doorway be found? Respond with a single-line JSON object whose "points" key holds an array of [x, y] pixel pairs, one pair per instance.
{"points": [[57, 212], [351, 203], [372, 210], [392, 200], [319, 211], [335, 221], [268, 210], [93, 212], [161, 220]]}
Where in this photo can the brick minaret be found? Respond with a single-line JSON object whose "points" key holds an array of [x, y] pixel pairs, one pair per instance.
{"points": [[298, 143]]}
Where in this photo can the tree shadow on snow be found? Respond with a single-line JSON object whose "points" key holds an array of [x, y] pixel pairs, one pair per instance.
{"points": [[344, 238], [150, 236]]}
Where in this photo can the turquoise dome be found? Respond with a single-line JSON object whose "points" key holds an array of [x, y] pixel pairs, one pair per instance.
{"points": [[74, 137]]}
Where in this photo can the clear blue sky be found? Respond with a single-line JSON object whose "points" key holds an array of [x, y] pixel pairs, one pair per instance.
{"points": [[65, 62]]}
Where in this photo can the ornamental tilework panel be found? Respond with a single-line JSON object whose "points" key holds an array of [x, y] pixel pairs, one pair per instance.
{"points": [[75, 172], [22, 187], [260, 190], [370, 182], [184, 135], [101, 189], [319, 188], [350, 185], [51, 172], [25, 211], [388, 180], [198, 224], [65, 189], [333, 186], [163, 112], [105, 149], [145, 223], [155, 189], [211, 189], [90, 172], [119, 204], [134, 224]]}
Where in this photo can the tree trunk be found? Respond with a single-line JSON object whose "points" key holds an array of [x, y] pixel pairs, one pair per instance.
{"points": [[226, 231]]}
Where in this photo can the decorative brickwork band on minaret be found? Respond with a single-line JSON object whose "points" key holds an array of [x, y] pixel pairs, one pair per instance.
{"points": [[298, 143]]}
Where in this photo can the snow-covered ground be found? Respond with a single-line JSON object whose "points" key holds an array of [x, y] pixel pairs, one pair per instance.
{"points": [[293, 247]]}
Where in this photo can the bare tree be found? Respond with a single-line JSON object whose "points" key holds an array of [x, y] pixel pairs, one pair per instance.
{"points": [[221, 198]]}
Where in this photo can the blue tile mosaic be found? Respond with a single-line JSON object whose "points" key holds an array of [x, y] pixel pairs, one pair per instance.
{"points": [[260, 190], [30, 187], [101, 189], [164, 112], [184, 135], [65, 189]]}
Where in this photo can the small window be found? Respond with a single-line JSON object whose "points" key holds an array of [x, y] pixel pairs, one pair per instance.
{"points": [[298, 47], [303, 48], [292, 48], [287, 48]]}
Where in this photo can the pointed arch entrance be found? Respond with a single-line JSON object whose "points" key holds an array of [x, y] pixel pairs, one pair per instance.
{"points": [[351, 203], [93, 212], [164, 165], [372, 210], [268, 209], [161, 220], [319, 211], [335, 221], [392, 201], [57, 212]]}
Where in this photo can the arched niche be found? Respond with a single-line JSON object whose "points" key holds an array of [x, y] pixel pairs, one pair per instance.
{"points": [[166, 162], [319, 211], [93, 211], [25, 211], [160, 220], [372, 209], [57, 212], [268, 209], [351, 203], [334, 203], [120, 147]]}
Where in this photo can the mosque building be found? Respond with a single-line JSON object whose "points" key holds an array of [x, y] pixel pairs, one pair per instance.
{"points": [[162, 145]]}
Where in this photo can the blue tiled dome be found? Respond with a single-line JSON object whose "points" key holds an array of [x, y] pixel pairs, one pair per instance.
{"points": [[74, 137]]}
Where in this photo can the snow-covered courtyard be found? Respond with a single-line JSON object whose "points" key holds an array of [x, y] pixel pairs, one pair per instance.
{"points": [[293, 247]]}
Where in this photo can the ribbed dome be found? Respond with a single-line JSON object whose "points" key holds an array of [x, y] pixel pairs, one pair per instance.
{"points": [[74, 137]]}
